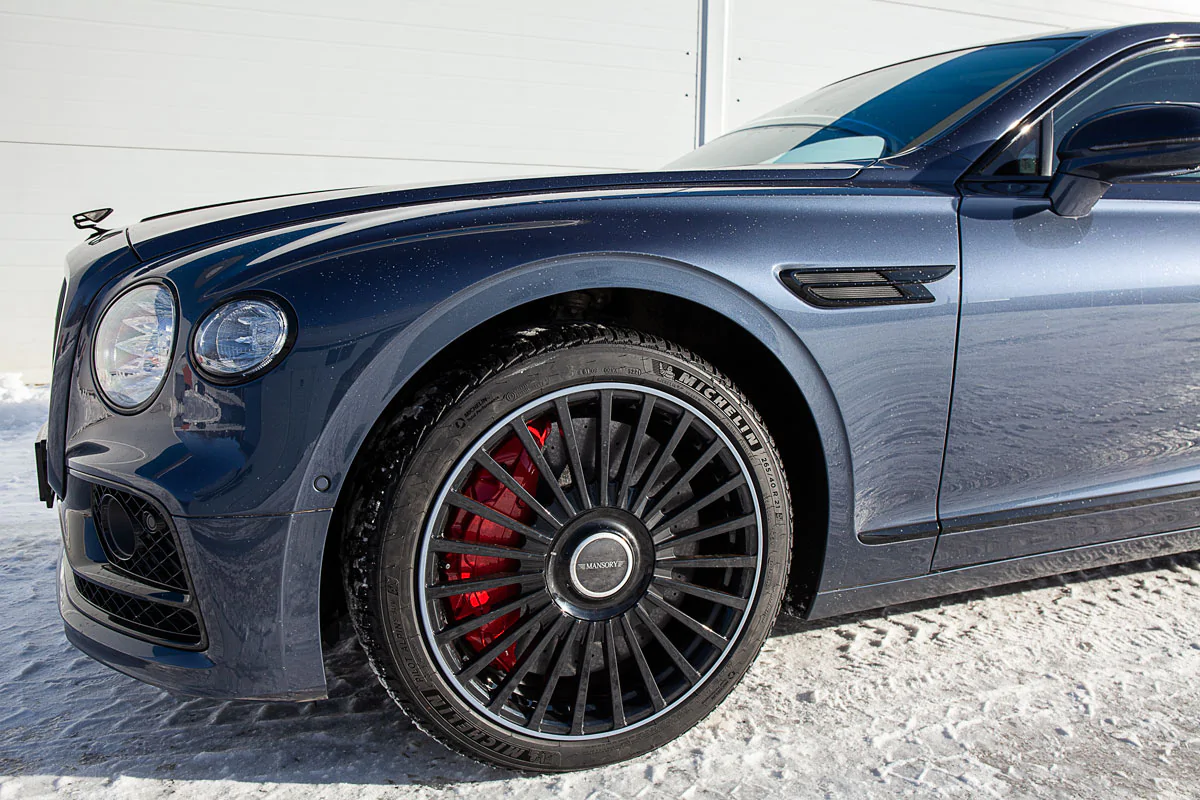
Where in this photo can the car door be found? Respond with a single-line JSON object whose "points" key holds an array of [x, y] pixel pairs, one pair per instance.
{"points": [[1075, 416]]}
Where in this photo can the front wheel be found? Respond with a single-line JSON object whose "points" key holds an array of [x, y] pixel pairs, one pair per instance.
{"points": [[568, 553]]}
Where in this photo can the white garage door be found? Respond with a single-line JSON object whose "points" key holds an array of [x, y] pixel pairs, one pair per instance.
{"points": [[152, 105]]}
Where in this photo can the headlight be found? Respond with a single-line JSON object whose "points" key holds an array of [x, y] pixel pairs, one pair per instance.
{"points": [[133, 345], [240, 338]]}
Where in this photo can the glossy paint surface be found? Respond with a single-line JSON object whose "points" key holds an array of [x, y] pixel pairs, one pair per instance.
{"points": [[364, 286], [377, 294], [1077, 368], [383, 280], [166, 233]]}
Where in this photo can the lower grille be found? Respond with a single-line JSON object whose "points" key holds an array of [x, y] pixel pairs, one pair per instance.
{"points": [[137, 538], [168, 623]]}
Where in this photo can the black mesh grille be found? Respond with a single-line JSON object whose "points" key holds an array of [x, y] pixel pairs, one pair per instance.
{"points": [[155, 555], [154, 619]]}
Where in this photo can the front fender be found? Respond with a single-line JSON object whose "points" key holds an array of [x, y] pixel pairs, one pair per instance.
{"points": [[393, 367], [378, 295]]}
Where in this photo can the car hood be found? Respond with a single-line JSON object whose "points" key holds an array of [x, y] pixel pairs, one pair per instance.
{"points": [[164, 234]]}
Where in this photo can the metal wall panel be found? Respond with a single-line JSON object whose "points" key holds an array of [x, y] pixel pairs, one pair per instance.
{"points": [[777, 50], [151, 105]]}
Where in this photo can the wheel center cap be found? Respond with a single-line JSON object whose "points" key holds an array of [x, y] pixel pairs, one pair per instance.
{"points": [[601, 565]]}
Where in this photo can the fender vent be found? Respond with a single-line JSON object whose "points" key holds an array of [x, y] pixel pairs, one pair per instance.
{"points": [[850, 288]]}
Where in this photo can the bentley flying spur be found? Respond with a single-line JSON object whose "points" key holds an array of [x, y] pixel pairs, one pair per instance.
{"points": [[561, 449]]}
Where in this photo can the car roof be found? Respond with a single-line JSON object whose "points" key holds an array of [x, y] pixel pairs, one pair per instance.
{"points": [[1147, 29]]}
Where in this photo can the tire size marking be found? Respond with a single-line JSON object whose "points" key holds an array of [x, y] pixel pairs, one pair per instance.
{"points": [[713, 396], [446, 711]]}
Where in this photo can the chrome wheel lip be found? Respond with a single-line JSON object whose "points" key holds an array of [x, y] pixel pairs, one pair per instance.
{"points": [[429, 532]]}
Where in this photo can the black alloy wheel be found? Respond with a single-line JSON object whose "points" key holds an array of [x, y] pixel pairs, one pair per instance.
{"points": [[586, 533]]}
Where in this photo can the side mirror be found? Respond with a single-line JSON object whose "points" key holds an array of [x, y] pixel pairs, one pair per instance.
{"points": [[1126, 142]]}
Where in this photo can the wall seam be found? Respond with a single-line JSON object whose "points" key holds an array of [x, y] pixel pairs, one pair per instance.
{"points": [[701, 71]]}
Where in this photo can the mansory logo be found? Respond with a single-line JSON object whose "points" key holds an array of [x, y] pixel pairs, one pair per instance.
{"points": [[586, 565]]}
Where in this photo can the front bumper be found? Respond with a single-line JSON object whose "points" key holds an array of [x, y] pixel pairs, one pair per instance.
{"points": [[253, 581], [224, 469]]}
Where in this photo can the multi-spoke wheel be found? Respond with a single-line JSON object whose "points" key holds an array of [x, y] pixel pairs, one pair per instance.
{"points": [[592, 538]]}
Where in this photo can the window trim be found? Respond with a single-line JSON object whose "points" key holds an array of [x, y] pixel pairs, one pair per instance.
{"points": [[1045, 112]]}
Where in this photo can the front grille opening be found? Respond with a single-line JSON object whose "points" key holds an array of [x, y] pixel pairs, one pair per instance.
{"points": [[157, 620], [137, 538]]}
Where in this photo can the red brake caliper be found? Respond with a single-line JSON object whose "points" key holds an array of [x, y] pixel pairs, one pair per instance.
{"points": [[484, 488]]}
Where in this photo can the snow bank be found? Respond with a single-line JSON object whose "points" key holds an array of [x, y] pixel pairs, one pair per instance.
{"points": [[21, 407]]}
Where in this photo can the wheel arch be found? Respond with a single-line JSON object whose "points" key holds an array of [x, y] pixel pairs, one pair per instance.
{"points": [[716, 319]]}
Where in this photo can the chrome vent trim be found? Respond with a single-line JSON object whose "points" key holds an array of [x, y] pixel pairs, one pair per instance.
{"points": [[883, 291], [838, 277]]}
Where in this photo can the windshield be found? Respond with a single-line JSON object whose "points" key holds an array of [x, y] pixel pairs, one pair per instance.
{"points": [[876, 114]]}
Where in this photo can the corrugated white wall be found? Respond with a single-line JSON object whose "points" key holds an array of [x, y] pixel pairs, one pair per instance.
{"points": [[151, 105], [767, 52]]}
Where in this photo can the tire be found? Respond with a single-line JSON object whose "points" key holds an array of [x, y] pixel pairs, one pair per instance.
{"points": [[595, 608]]}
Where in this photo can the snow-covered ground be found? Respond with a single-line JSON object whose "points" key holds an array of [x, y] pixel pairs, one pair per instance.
{"points": [[1077, 686]]}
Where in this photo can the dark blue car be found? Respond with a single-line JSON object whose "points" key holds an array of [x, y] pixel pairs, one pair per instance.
{"points": [[562, 448]]}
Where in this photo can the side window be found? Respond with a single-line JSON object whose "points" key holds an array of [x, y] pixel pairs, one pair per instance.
{"points": [[1163, 76]]}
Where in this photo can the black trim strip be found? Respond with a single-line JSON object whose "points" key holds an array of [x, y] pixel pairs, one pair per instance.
{"points": [[855, 287], [1012, 517], [849, 600], [1051, 527], [904, 533], [1071, 508], [1062, 93]]}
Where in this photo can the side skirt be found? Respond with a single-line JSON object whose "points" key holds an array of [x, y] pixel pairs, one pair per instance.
{"points": [[982, 576]]}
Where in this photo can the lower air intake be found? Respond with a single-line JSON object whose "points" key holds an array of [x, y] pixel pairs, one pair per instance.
{"points": [[156, 620], [137, 538]]}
